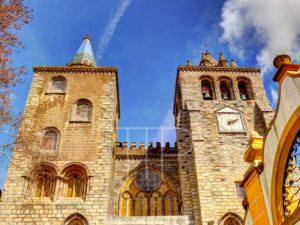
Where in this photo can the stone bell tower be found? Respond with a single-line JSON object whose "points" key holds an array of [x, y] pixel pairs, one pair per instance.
{"points": [[78, 108], [216, 107]]}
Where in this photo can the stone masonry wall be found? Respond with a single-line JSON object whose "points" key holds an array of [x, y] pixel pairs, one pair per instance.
{"points": [[217, 159], [90, 144]]}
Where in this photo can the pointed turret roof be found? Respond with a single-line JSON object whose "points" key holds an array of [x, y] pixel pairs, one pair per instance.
{"points": [[222, 61], [233, 63], [85, 54]]}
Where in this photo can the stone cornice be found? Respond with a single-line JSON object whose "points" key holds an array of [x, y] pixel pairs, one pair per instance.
{"points": [[72, 69], [219, 69], [80, 69]]}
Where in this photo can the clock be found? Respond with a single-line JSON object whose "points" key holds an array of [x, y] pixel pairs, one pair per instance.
{"points": [[230, 121]]}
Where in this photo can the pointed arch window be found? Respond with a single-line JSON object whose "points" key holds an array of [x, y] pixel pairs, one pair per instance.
{"points": [[127, 204], [141, 204], [170, 204], [156, 204]]}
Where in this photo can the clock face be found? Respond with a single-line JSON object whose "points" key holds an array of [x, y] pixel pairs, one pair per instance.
{"points": [[230, 122]]}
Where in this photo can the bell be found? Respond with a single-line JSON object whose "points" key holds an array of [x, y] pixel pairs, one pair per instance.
{"points": [[207, 96], [243, 97], [225, 97]]}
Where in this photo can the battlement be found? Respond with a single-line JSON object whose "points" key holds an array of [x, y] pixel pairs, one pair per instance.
{"points": [[123, 151]]}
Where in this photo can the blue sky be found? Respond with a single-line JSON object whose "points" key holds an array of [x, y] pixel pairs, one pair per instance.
{"points": [[146, 40]]}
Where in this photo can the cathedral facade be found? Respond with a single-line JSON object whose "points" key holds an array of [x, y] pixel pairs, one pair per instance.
{"points": [[88, 177]]}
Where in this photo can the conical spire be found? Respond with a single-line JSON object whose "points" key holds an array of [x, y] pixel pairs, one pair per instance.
{"points": [[85, 54], [204, 60], [233, 64], [222, 61]]}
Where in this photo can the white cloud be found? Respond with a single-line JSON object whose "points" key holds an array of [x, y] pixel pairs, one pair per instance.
{"points": [[274, 95], [273, 25], [111, 26], [167, 131]]}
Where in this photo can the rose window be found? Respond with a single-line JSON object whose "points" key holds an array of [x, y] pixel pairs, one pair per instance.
{"points": [[147, 180]]}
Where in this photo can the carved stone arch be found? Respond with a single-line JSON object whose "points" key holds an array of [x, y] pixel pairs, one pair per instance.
{"points": [[56, 85], [229, 85], [76, 219], [248, 86], [230, 218], [41, 180], [75, 180], [171, 181], [212, 84], [81, 115], [46, 131]]}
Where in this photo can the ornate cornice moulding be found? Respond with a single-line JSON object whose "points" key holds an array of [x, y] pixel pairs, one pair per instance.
{"points": [[73, 69], [219, 69]]}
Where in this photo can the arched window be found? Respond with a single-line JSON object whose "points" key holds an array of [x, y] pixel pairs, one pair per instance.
{"points": [[127, 204], [81, 111], [230, 219], [141, 204], [76, 219], [56, 85], [291, 183], [75, 186], [75, 180], [148, 194], [49, 140], [44, 186], [170, 204], [245, 90], [156, 204]]}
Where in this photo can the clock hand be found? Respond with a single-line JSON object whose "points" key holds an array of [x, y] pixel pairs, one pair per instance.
{"points": [[232, 121]]}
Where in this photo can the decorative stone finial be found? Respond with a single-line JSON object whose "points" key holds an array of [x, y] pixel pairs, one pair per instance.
{"points": [[204, 60], [280, 59], [253, 134], [254, 151], [188, 63], [233, 63]]}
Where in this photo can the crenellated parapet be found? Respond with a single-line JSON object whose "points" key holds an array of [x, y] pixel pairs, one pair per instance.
{"points": [[123, 151]]}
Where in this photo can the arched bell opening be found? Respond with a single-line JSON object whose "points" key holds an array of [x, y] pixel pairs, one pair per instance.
{"points": [[207, 89], [245, 90], [226, 89]]}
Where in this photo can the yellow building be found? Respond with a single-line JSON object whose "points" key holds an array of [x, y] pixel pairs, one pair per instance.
{"points": [[272, 181]]}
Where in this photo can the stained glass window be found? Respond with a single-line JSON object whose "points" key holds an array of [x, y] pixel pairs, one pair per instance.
{"points": [[291, 184], [170, 204], [156, 204], [126, 204], [141, 205], [49, 141], [147, 180]]}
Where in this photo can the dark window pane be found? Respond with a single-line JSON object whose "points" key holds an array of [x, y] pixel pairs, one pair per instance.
{"points": [[240, 191], [83, 111], [58, 85], [49, 140]]}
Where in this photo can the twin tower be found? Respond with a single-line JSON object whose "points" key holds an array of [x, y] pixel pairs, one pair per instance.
{"points": [[84, 176]]}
